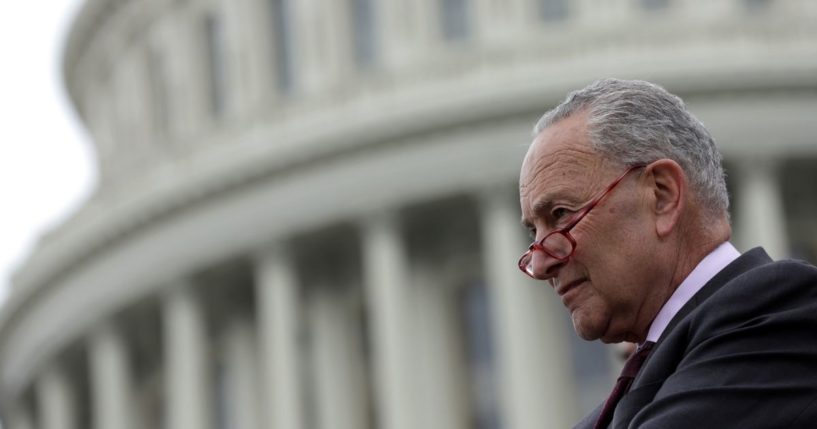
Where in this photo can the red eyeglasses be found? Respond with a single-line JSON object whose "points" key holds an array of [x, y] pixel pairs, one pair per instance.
{"points": [[560, 244]]}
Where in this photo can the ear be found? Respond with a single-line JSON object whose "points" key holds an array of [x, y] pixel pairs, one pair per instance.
{"points": [[668, 186]]}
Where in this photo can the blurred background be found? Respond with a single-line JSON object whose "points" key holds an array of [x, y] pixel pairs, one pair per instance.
{"points": [[303, 213]]}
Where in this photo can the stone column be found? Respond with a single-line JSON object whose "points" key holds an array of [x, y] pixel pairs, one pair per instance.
{"points": [[337, 361], [408, 30], [278, 307], [501, 23], [385, 269], [236, 42], [188, 104], [242, 387], [20, 418], [57, 400], [110, 380], [186, 364], [321, 45], [392, 32], [604, 14], [537, 389], [760, 213], [252, 47], [442, 367], [126, 112]]}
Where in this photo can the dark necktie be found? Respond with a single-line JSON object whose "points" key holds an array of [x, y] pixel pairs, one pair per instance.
{"points": [[623, 383]]}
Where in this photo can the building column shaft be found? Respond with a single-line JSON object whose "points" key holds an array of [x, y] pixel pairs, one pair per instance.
{"points": [[20, 418], [242, 384], [442, 373], [761, 212], [532, 346], [407, 30], [57, 400], [188, 102], [500, 22], [321, 46], [186, 352], [385, 272], [110, 380], [278, 332], [337, 362]]}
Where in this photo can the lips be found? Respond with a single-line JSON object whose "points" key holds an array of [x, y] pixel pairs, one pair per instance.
{"points": [[563, 289]]}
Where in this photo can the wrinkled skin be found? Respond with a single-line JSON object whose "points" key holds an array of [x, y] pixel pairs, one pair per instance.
{"points": [[625, 265]]}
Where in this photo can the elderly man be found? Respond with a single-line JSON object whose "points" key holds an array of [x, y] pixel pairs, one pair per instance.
{"points": [[624, 194]]}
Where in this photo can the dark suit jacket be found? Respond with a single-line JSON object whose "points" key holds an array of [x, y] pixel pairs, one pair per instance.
{"points": [[742, 353]]}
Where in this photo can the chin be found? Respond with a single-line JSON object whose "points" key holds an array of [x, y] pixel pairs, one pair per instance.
{"points": [[611, 340], [619, 337], [589, 333]]}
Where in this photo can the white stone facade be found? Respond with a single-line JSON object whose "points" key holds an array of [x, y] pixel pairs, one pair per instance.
{"points": [[306, 214]]}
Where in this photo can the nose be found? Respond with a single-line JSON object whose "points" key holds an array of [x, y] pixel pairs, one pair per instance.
{"points": [[544, 266]]}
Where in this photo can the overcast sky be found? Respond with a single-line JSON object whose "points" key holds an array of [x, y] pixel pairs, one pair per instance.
{"points": [[47, 163]]}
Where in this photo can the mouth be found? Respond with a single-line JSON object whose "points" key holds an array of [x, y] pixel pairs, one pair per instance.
{"points": [[564, 289]]}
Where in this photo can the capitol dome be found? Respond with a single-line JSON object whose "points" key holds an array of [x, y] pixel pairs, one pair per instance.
{"points": [[306, 215]]}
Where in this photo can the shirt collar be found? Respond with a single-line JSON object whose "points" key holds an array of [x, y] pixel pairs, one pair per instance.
{"points": [[710, 265]]}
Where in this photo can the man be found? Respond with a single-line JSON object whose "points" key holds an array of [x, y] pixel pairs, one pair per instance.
{"points": [[624, 194]]}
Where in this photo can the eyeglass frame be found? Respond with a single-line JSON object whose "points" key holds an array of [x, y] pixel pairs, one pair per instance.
{"points": [[565, 232]]}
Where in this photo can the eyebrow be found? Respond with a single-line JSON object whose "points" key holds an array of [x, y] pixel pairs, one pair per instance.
{"points": [[543, 206]]}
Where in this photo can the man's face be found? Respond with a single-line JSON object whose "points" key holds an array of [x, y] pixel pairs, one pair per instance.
{"points": [[605, 284]]}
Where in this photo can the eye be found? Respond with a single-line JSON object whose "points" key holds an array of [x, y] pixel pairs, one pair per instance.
{"points": [[559, 213], [532, 233], [559, 216]]}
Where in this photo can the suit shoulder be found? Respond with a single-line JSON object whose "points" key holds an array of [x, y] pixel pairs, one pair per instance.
{"points": [[777, 291], [776, 276]]}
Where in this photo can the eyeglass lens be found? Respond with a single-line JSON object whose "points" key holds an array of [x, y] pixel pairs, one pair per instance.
{"points": [[556, 245]]}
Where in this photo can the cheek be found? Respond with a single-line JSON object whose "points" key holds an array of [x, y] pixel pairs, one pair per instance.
{"points": [[610, 270], [604, 233], [622, 243], [611, 250]]}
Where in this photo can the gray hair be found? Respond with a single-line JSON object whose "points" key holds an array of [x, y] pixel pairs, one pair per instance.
{"points": [[636, 122]]}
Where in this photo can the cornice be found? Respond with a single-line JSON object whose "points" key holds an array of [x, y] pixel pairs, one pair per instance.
{"points": [[340, 129]]}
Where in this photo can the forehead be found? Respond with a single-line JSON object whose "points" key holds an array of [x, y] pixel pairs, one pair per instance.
{"points": [[560, 158]]}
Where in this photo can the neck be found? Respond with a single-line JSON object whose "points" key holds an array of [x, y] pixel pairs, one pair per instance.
{"points": [[696, 240], [685, 252]]}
